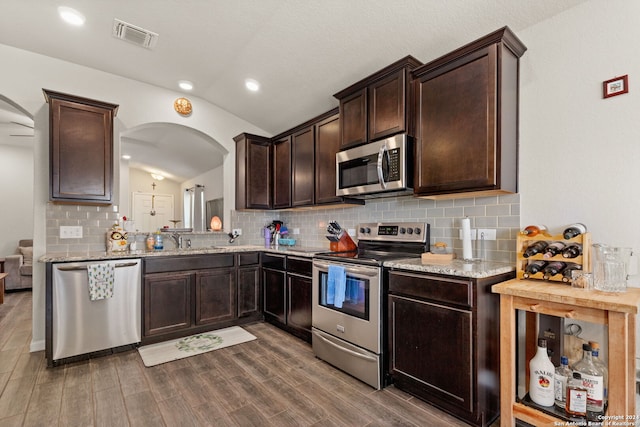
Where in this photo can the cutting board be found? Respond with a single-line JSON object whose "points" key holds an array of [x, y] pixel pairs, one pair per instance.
{"points": [[429, 257]]}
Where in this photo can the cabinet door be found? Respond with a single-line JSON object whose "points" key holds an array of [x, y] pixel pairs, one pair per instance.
{"points": [[299, 303], [248, 291], [387, 105], [253, 172], [456, 126], [282, 173], [438, 354], [273, 282], [81, 151], [327, 145], [215, 296], [303, 162], [353, 119], [167, 302]]}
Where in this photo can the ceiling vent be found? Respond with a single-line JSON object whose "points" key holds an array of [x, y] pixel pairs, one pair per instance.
{"points": [[136, 35]]}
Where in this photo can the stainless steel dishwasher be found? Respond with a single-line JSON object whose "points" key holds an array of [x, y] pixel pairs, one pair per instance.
{"points": [[83, 326]]}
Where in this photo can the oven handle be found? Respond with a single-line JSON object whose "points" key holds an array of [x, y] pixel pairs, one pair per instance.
{"points": [[371, 272], [381, 154], [346, 350]]}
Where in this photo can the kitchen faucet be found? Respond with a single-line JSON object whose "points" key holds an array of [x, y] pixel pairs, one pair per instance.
{"points": [[233, 236], [177, 239]]}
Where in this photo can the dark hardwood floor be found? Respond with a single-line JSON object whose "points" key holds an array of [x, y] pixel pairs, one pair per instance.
{"points": [[272, 381]]}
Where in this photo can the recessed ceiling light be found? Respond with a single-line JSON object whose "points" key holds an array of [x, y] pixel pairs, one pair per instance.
{"points": [[71, 16], [252, 85], [185, 85], [126, 156], [157, 176]]}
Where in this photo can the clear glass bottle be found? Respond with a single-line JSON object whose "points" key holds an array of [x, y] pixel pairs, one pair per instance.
{"points": [[576, 403], [541, 371], [554, 249], [560, 378], [572, 251], [595, 356], [553, 268], [574, 230], [158, 245], [535, 248], [533, 267], [593, 380], [534, 230]]}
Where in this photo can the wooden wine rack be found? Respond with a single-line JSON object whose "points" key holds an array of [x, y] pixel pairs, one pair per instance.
{"points": [[523, 242]]}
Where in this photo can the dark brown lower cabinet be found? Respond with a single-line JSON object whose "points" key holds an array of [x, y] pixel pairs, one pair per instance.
{"points": [[443, 342], [248, 284], [287, 293], [167, 303], [215, 296]]}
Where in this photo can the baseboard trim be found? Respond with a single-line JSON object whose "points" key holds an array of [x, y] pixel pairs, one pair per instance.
{"points": [[36, 346]]}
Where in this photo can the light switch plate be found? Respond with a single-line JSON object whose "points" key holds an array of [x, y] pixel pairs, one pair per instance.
{"points": [[71, 232], [486, 234], [237, 231]]}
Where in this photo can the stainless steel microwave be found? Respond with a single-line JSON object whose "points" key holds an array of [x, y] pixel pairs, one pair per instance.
{"points": [[383, 166]]}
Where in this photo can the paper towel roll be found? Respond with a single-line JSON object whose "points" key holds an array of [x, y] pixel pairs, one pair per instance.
{"points": [[467, 253]]}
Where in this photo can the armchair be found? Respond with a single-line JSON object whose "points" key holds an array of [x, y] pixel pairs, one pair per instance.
{"points": [[19, 266]]}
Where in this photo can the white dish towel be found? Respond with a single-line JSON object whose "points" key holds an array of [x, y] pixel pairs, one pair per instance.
{"points": [[101, 278]]}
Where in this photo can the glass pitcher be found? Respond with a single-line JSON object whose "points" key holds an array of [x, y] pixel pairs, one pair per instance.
{"points": [[610, 267]]}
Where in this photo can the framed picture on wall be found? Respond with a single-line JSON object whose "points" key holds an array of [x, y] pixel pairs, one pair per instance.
{"points": [[616, 86]]}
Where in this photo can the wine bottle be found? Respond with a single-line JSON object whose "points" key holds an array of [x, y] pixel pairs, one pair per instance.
{"points": [[553, 268], [566, 273], [593, 380], [533, 267], [533, 230], [541, 372], [574, 230], [535, 248], [554, 249], [573, 250]]}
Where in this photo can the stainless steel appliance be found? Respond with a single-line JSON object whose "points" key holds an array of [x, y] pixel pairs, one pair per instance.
{"points": [[83, 326], [382, 166], [350, 334]]}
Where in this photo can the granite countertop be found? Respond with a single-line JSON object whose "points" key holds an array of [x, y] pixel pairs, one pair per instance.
{"points": [[475, 269], [96, 256]]}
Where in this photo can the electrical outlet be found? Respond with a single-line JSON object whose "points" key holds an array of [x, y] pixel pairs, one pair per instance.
{"points": [[296, 231], [237, 231], [473, 234], [487, 233], [70, 232], [351, 231]]}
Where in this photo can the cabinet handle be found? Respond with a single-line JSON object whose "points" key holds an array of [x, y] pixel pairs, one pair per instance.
{"points": [[534, 307], [570, 314]]}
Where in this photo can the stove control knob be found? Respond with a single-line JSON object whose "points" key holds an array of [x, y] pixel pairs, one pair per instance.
{"points": [[417, 230], [365, 230], [402, 230], [409, 230]]}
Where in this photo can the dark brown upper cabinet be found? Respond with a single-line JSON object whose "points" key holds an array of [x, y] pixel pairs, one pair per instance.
{"points": [[467, 119], [327, 145], [253, 172], [377, 106], [302, 167], [282, 172], [80, 149]]}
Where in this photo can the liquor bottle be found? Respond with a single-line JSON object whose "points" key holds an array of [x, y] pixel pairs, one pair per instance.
{"points": [[593, 380], [534, 230], [595, 353], [533, 267], [566, 273], [554, 249], [572, 251], [560, 378], [541, 372], [576, 403], [574, 230], [535, 248], [553, 268]]}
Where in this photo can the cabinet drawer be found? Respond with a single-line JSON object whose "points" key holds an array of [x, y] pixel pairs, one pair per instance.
{"points": [[300, 266], [274, 262], [443, 289], [248, 258], [187, 262]]}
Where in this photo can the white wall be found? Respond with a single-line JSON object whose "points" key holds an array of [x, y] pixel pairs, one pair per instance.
{"points": [[16, 196]]}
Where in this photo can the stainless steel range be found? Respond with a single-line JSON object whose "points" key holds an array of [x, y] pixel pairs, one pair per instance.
{"points": [[349, 298]]}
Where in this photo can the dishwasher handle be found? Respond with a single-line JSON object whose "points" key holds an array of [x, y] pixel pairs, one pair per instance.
{"points": [[84, 267]]}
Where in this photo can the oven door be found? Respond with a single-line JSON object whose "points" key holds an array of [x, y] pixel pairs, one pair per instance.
{"points": [[358, 320]]}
